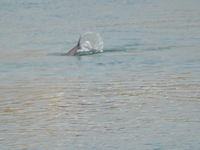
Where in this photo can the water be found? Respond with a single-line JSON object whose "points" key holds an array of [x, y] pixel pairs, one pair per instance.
{"points": [[90, 42], [142, 92]]}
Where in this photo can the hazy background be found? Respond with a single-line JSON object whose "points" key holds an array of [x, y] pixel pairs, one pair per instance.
{"points": [[142, 92]]}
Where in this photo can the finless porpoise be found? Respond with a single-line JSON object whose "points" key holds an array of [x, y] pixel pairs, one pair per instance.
{"points": [[73, 51]]}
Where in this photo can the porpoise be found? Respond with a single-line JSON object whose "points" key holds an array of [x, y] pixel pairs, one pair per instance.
{"points": [[73, 51]]}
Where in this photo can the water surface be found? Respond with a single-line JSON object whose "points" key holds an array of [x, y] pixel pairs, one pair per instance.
{"points": [[142, 92]]}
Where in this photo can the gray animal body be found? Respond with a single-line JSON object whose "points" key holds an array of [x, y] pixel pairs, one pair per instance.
{"points": [[73, 51]]}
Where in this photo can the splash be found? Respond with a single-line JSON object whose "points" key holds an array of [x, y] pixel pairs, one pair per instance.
{"points": [[91, 42]]}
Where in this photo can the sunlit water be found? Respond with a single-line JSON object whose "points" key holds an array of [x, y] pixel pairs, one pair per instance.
{"points": [[142, 92]]}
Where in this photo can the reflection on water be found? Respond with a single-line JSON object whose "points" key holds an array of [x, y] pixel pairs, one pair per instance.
{"points": [[142, 92], [44, 112]]}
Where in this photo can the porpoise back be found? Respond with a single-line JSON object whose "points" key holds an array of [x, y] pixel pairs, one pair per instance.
{"points": [[73, 51]]}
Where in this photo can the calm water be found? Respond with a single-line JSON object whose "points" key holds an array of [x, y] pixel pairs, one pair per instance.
{"points": [[142, 92]]}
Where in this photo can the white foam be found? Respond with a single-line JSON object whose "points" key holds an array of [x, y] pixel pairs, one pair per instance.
{"points": [[91, 41]]}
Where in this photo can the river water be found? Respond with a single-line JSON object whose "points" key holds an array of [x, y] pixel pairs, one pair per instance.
{"points": [[142, 92]]}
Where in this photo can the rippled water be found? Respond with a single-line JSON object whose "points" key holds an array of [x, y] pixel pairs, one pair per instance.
{"points": [[142, 92]]}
